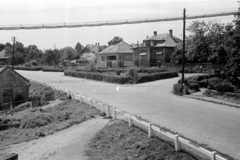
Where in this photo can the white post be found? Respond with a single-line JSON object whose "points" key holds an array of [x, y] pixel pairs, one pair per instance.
{"points": [[150, 130], [107, 111], [101, 107], [91, 103], [177, 147], [213, 155], [130, 120], [114, 113]]}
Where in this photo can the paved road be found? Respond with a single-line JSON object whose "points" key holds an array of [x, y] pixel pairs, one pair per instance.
{"points": [[218, 126]]}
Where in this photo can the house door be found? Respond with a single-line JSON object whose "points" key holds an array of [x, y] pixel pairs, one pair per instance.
{"points": [[7, 95]]}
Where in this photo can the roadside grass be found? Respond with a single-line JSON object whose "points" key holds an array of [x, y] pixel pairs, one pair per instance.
{"points": [[118, 141], [33, 123]]}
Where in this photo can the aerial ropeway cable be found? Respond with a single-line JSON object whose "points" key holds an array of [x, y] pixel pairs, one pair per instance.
{"points": [[111, 23]]}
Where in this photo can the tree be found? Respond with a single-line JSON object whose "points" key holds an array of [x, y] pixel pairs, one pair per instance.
{"points": [[78, 49], [205, 42], [19, 53], [51, 57], [115, 40], [68, 53], [233, 50], [33, 53], [2, 46]]}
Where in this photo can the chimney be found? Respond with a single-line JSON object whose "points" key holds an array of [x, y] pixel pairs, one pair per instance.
{"points": [[170, 33], [155, 33], [98, 44]]}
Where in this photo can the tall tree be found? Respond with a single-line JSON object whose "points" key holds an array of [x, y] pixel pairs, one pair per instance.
{"points": [[19, 53], [51, 57], [33, 53], [232, 45], [79, 48], [68, 53], [115, 40]]}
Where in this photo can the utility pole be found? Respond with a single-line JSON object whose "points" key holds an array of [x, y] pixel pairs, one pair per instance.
{"points": [[183, 49], [138, 54], [13, 39]]}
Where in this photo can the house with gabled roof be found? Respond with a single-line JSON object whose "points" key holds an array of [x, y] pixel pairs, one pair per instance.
{"points": [[13, 87], [157, 48], [119, 55]]}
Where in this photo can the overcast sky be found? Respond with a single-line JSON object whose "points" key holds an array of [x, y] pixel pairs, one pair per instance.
{"points": [[29, 12]]}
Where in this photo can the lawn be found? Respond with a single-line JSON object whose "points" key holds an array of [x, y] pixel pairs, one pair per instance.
{"points": [[118, 141]]}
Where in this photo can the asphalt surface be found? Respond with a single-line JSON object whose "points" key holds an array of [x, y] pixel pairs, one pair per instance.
{"points": [[215, 125]]}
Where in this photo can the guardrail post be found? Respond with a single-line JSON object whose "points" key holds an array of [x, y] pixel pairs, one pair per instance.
{"points": [[91, 103], [114, 113], [130, 120], [150, 130], [213, 155], [177, 146], [101, 105], [107, 113]]}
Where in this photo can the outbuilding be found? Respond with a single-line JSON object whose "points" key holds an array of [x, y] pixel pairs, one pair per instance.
{"points": [[14, 88]]}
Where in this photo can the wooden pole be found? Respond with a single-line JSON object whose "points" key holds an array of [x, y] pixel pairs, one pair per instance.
{"points": [[183, 49]]}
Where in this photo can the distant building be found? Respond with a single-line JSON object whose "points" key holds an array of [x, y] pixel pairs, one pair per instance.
{"points": [[157, 48], [119, 55], [13, 87], [3, 58], [93, 48]]}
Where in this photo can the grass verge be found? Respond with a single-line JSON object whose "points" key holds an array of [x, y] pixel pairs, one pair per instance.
{"points": [[33, 123], [118, 141]]}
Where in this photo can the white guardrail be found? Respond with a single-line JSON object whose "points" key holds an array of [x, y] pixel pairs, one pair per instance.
{"points": [[179, 142]]}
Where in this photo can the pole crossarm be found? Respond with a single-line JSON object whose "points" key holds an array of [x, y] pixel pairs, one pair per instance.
{"points": [[112, 23]]}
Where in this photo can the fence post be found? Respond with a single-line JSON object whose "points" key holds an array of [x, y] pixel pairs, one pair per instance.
{"points": [[101, 105], [91, 103], [177, 147], [213, 155], [150, 130], [130, 120], [114, 113], [107, 113]]}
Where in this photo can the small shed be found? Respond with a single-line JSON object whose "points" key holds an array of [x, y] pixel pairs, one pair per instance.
{"points": [[13, 87]]}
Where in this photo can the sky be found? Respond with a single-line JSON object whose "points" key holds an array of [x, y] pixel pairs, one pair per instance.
{"points": [[35, 12]]}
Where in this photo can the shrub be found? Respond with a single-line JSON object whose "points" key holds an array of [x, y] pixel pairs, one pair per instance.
{"points": [[28, 68], [194, 86], [224, 87], [157, 76], [36, 119], [177, 89], [52, 70], [133, 74]]}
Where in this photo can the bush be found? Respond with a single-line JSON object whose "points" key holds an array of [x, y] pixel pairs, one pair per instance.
{"points": [[194, 86], [121, 79], [177, 89], [36, 119], [220, 85], [28, 68], [133, 74], [52, 70]]}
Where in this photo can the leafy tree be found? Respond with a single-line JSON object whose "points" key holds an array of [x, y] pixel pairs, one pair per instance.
{"points": [[79, 48], [51, 57], [19, 53], [33, 53], [233, 50], [205, 42], [68, 53], [115, 40]]}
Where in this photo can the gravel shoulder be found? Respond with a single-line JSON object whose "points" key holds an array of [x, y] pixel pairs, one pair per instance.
{"points": [[66, 144]]}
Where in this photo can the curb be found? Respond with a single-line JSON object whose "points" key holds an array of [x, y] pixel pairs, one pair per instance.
{"points": [[212, 101]]}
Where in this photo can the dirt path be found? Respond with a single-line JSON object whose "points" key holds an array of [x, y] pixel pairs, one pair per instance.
{"points": [[66, 144]]}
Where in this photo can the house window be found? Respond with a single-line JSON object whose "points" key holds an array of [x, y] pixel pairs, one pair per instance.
{"points": [[111, 58], [143, 53], [7, 95]]}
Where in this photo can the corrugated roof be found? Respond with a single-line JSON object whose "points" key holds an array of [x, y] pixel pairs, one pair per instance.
{"points": [[121, 47], [2, 54]]}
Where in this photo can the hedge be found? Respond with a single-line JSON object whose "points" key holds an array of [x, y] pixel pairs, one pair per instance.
{"points": [[52, 70], [120, 79], [28, 68]]}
